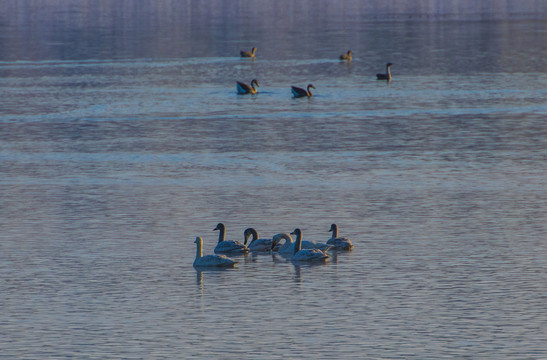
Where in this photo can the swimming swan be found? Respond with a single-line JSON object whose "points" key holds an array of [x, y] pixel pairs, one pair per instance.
{"points": [[308, 255], [243, 88], [386, 76], [228, 246], [210, 260], [247, 54], [339, 243], [288, 245], [347, 56], [299, 92], [257, 244]]}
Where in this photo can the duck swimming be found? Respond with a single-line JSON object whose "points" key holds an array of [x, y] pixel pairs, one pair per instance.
{"points": [[247, 54], [347, 57]]}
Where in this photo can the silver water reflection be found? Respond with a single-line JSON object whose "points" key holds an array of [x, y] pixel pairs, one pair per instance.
{"points": [[122, 139]]}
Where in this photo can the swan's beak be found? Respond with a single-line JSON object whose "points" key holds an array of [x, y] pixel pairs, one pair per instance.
{"points": [[216, 228]]}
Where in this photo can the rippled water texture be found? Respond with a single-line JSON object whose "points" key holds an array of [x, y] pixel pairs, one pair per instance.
{"points": [[122, 139]]}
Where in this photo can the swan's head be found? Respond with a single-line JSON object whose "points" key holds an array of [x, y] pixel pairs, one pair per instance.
{"points": [[198, 240], [333, 227], [254, 81], [297, 232], [220, 226], [389, 64], [311, 86], [253, 50], [350, 52]]}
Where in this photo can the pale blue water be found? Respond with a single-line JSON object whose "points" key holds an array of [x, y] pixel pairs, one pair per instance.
{"points": [[122, 139]]}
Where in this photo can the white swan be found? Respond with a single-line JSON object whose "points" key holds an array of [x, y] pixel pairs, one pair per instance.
{"points": [[288, 245], [339, 243], [308, 255], [257, 244], [228, 246], [210, 260]]}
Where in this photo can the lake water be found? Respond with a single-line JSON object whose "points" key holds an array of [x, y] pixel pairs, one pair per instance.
{"points": [[122, 139]]}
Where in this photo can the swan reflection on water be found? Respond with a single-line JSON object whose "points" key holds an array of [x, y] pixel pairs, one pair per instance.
{"points": [[201, 271]]}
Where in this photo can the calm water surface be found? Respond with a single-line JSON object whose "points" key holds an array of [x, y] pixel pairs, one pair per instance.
{"points": [[122, 139]]}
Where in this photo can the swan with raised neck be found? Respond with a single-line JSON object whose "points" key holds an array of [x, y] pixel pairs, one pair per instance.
{"points": [[256, 243], [228, 246], [339, 243], [387, 75], [210, 260], [308, 255]]}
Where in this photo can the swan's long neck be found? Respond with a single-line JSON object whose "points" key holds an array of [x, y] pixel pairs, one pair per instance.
{"points": [[388, 70], [288, 241], [221, 234], [199, 249], [254, 235], [334, 230], [309, 91], [298, 244]]}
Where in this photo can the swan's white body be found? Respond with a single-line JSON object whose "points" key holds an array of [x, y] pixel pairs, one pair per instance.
{"points": [[339, 243], [210, 260], [306, 255], [228, 246], [289, 244], [257, 244]]}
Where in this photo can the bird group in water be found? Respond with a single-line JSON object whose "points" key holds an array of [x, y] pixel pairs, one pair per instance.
{"points": [[298, 250], [243, 89]]}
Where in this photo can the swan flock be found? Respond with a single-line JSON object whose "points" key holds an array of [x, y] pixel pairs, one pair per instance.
{"points": [[297, 250]]}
